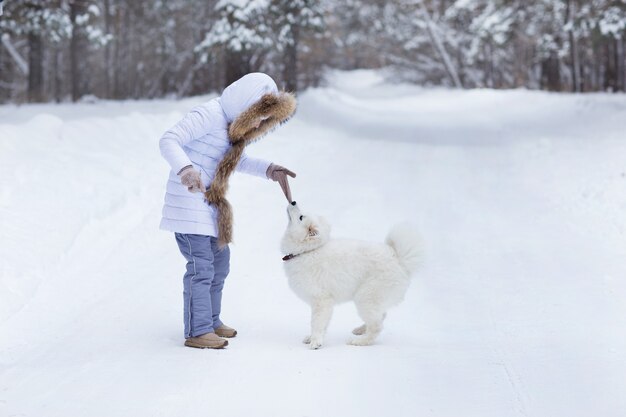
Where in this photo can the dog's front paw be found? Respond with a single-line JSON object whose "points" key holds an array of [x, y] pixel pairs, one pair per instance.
{"points": [[360, 341], [306, 340], [315, 343]]}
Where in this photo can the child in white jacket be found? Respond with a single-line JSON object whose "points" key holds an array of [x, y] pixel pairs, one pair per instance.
{"points": [[203, 149]]}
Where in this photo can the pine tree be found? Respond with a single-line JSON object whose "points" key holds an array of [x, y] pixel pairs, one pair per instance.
{"points": [[292, 20], [241, 34]]}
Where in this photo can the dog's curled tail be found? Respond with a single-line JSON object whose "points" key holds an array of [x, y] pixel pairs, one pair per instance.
{"points": [[404, 240]]}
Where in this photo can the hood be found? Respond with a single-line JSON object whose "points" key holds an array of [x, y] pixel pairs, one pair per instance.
{"points": [[253, 97], [244, 92]]}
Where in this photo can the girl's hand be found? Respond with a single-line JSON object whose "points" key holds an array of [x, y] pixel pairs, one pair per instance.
{"points": [[279, 174], [191, 178]]}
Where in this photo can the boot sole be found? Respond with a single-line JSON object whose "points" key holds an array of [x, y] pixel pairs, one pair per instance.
{"points": [[199, 346]]}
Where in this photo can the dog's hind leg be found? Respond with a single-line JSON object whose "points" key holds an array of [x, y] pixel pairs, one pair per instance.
{"points": [[362, 328], [321, 312], [373, 317]]}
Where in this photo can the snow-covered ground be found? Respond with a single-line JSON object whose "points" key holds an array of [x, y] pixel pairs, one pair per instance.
{"points": [[519, 308]]}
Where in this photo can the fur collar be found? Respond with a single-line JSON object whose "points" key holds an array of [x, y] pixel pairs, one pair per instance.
{"points": [[274, 109]]}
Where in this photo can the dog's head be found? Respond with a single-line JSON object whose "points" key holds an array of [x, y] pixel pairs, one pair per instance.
{"points": [[304, 232]]}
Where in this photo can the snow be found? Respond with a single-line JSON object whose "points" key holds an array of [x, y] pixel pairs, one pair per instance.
{"points": [[613, 22], [517, 311]]}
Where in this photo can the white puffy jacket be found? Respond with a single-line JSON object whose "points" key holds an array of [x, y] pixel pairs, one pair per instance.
{"points": [[201, 139]]}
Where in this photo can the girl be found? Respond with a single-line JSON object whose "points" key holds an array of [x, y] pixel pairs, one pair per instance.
{"points": [[203, 149]]}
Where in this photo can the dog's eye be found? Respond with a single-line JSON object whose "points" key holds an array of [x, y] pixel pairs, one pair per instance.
{"points": [[301, 218]]}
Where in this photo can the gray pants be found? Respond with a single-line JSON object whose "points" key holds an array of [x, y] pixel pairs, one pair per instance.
{"points": [[207, 268]]}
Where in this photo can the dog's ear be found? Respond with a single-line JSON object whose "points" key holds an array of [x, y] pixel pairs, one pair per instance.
{"points": [[312, 232]]}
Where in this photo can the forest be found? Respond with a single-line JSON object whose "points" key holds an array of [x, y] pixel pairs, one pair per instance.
{"points": [[73, 50]]}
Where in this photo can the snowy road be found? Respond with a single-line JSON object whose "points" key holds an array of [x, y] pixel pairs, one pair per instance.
{"points": [[518, 310]]}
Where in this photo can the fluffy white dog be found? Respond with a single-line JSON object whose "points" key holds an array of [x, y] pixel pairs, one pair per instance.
{"points": [[324, 272]]}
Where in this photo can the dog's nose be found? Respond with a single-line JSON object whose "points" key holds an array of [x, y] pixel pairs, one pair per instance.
{"points": [[293, 203]]}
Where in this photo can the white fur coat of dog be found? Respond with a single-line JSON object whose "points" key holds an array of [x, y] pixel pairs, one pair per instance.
{"points": [[324, 272]]}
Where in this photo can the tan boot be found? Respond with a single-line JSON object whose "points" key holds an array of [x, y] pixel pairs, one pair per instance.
{"points": [[225, 331], [207, 340]]}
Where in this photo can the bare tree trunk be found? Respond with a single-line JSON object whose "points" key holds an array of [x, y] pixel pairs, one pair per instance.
{"points": [[35, 67], [619, 59], [570, 12], [551, 73], [58, 78], [290, 68], [136, 66], [237, 65], [108, 64], [489, 65], [610, 67], [290, 57], [117, 57], [78, 50]]}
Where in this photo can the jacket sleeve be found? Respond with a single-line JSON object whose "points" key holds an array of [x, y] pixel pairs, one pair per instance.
{"points": [[253, 166], [195, 124]]}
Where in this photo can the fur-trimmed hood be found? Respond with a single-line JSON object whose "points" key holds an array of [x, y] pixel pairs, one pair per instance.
{"points": [[252, 98], [255, 96]]}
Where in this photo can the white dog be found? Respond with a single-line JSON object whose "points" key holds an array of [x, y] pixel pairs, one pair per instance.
{"points": [[325, 272]]}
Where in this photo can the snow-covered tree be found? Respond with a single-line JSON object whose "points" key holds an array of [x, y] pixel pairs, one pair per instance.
{"points": [[35, 21], [290, 21], [241, 34]]}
